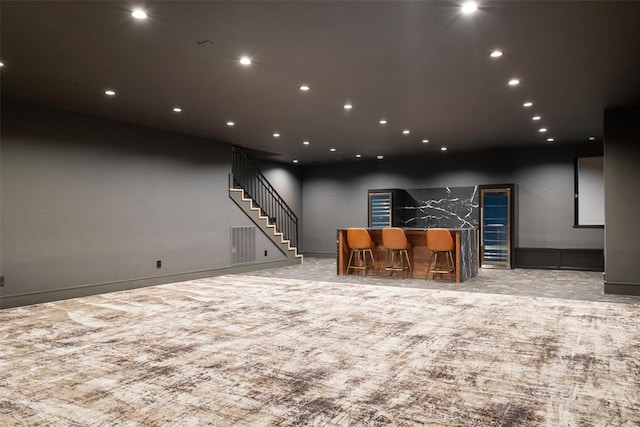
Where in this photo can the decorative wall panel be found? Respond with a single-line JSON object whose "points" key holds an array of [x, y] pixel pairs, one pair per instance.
{"points": [[446, 207]]}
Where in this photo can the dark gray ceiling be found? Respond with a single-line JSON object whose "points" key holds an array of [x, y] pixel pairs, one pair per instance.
{"points": [[423, 66]]}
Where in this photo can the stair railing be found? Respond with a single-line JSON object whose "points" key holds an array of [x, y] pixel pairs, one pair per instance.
{"points": [[246, 175]]}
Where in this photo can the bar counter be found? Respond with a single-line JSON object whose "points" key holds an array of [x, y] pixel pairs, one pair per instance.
{"points": [[465, 254]]}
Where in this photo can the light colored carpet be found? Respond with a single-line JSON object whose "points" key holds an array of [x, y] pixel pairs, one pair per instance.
{"points": [[254, 351]]}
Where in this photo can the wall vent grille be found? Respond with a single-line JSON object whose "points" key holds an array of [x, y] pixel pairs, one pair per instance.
{"points": [[243, 245]]}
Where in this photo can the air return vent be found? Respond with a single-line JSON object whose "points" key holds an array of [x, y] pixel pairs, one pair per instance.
{"points": [[243, 245]]}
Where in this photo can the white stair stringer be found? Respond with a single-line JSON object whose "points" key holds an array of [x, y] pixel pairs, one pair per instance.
{"points": [[262, 221]]}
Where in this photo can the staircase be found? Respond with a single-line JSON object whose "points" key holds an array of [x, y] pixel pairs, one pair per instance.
{"points": [[262, 221], [251, 191]]}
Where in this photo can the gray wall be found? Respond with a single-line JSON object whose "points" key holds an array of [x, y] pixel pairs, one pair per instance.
{"points": [[287, 181], [335, 196], [622, 201], [87, 201]]}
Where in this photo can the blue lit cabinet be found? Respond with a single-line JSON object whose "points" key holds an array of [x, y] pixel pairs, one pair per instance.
{"points": [[496, 213], [385, 208]]}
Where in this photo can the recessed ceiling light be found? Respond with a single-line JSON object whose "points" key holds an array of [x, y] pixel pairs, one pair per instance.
{"points": [[304, 88], [358, 156], [348, 106], [424, 141], [109, 92], [469, 7], [305, 142], [536, 118], [139, 14], [550, 139], [379, 157], [245, 60], [406, 131], [231, 124], [276, 135], [177, 110], [383, 122], [514, 82], [1, 64], [332, 149], [592, 138], [543, 130], [496, 54], [527, 104], [295, 160], [443, 148]]}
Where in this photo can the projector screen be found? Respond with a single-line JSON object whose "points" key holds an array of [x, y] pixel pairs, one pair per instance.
{"points": [[589, 192]]}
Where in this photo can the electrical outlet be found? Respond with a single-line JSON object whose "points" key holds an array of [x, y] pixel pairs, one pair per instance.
{"points": [[159, 264], [1, 281]]}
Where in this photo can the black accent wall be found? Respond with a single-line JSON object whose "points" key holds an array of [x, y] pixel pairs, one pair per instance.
{"points": [[448, 207]]}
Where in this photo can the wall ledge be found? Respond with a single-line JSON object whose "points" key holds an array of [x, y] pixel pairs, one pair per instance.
{"points": [[320, 254], [560, 258], [622, 288], [39, 297]]}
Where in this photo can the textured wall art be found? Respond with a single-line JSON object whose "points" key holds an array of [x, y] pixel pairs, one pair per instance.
{"points": [[447, 207]]}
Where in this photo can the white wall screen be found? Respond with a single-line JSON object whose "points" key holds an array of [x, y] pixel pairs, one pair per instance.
{"points": [[590, 191]]}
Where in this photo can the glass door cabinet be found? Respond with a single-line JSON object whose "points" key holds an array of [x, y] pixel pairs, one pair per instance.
{"points": [[496, 228]]}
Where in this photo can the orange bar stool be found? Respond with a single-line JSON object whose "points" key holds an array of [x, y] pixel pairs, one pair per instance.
{"points": [[439, 241], [361, 244], [395, 242]]}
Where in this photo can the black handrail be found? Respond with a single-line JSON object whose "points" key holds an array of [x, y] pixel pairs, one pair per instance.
{"points": [[247, 176]]}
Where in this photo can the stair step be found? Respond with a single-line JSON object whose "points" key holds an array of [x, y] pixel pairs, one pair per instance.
{"points": [[276, 233]]}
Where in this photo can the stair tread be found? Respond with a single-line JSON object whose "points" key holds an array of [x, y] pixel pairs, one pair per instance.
{"points": [[276, 233]]}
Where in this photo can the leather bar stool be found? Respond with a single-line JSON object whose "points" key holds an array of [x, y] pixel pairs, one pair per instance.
{"points": [[360, 243], [395, 242], [439, 241]]}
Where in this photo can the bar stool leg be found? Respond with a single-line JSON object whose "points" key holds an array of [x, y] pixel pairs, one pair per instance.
{"points": [[363, 256], [450, 258], [406, 254], [393, 260], [386, 261], [363, 260], [359, 261], [433, 261], [373, 261], [433, 264], [349, 263], [389, 263]]}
